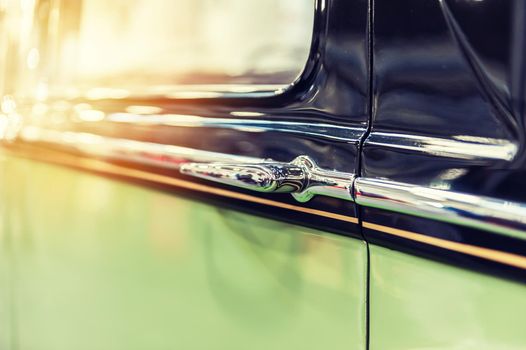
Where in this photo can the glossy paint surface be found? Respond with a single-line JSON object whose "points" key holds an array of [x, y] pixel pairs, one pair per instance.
{"points": [[322, 115], [436, 121], [448, 111], [95, 263], [419, 304]]}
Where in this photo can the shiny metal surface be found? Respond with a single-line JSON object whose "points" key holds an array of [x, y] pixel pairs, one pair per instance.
{"points": [[319, 130], [459, 146], [265, 177], [301, 177], [489, 214], [182, 91], [166, 156]]}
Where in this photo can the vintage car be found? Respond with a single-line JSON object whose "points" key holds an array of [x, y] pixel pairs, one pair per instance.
{"points": [[278, 174]]}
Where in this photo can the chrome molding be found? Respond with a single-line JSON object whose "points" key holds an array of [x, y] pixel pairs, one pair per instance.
{"points": [[149, 153], [301, 177], [460, 146], [181, 91], [489, 214], [319, 130]]}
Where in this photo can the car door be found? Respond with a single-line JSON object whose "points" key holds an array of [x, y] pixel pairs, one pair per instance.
{"points": [[442, 186], [195, 216]]}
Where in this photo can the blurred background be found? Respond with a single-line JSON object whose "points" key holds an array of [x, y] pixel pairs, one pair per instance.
{"points": [[63, 48]]}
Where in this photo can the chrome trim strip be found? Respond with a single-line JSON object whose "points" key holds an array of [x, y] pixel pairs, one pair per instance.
{"points": [[484, 213], [460, 147], [320, 130], [183, 91], [149, 153]]}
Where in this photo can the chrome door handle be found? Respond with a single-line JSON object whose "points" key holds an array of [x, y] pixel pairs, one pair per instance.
{"points": [[301, 177]]}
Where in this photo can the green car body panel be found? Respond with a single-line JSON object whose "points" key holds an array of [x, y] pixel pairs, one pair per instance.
{"points": [[94, 263], [90, 262], [416, 303]]}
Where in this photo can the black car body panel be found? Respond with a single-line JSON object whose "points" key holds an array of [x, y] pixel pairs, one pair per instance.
{"points": [[448, 112]]}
